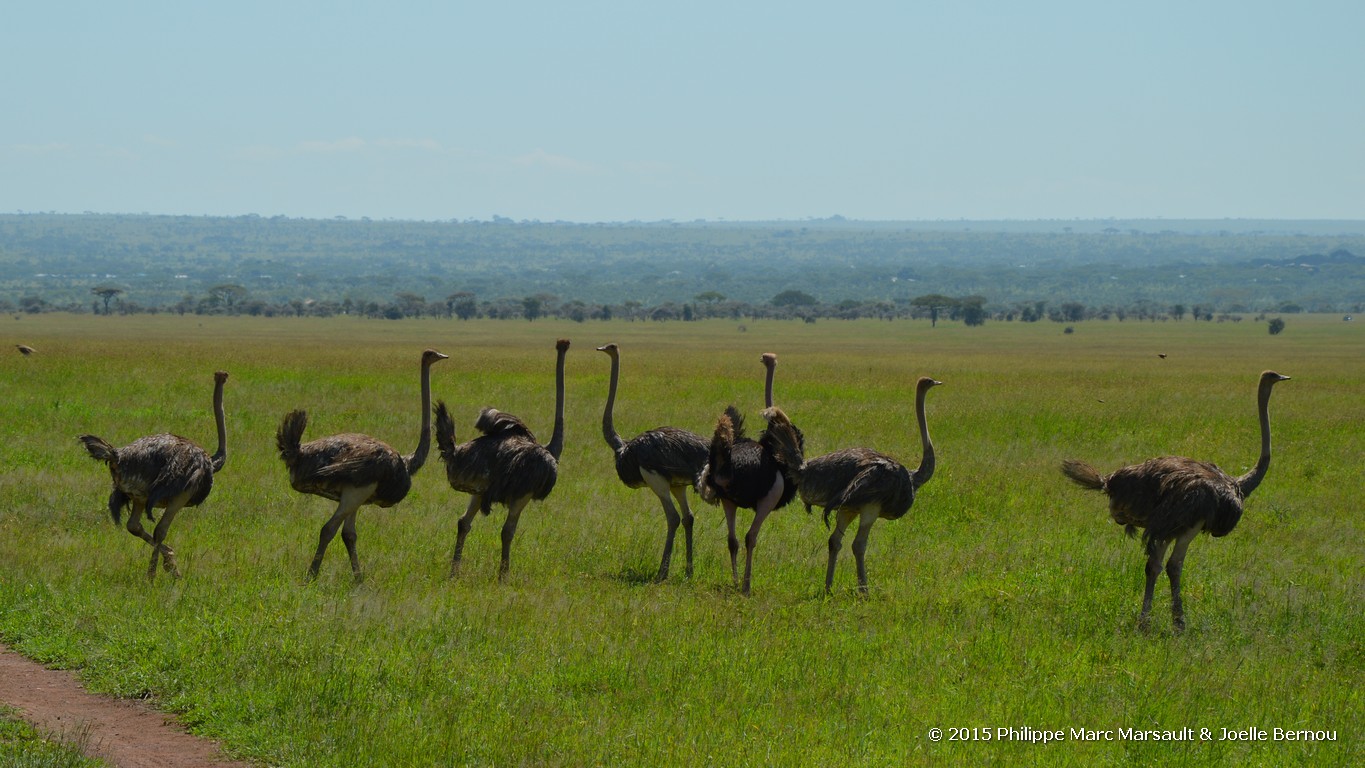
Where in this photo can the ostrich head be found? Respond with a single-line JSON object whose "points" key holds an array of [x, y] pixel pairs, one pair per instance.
{"points": [[1270, 378], [562, 345], [610, 349], [430, 356]]}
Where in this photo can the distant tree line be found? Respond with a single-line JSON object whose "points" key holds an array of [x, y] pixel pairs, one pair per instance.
{"points": [[973, 310]]}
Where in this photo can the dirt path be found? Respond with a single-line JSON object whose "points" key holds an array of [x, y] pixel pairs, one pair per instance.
{"points": [[128, 734]]}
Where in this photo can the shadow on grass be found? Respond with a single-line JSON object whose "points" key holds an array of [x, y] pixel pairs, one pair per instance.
{"points": [[639, 576]]}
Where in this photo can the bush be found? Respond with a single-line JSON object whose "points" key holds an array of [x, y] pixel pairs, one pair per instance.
{"points": [[1276, 326]]}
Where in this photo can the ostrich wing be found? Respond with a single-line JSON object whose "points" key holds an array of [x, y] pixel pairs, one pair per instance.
{"points": [[522, 467], [159, 467], [882, 481]]}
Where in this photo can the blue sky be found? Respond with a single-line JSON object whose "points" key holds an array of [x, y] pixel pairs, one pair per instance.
{"points": [[615, 111]]}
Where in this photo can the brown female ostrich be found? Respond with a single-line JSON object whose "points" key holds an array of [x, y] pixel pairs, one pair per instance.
{"points": [[352, 470], [161, 471], [761, 475], [666, 459], [505, 465], [862, 484], [1174, 498]]}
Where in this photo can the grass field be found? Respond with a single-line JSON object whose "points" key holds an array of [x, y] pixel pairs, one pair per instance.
{"points": [[1004, 599]]}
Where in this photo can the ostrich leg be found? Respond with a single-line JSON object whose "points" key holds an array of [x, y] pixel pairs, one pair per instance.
{"points": [[732, 541], [659, 485], [351, 499], [1173, 568], [836, 542], [462, 530], [1156, 552], [868, 518], [680, 493], [509, 530], [764, 508], [348, 537], [159, 540]]}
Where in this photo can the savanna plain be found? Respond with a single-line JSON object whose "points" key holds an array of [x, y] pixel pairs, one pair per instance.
{"points": [[1005, 599]]}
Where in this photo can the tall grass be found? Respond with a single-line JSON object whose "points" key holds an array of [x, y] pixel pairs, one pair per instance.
{"points": [[1005, 598]]}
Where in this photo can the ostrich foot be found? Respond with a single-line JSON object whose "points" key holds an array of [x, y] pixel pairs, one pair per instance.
{"points": [[1144, 623], [1178, 624]]}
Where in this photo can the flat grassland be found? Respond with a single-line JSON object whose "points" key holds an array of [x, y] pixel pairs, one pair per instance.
{"points": [[1004, 599]]}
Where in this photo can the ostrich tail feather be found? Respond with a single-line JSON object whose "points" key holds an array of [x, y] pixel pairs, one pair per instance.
{"points": [[445, 431], [117, 501], [786, 441], [99, 449], [1083, 474], [290, 435]]}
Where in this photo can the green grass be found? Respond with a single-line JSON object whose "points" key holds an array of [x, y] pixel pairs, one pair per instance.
{"points": [[23, 747], [1005, 598]]}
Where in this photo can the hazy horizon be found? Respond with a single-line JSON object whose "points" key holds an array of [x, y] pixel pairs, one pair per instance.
{"points": [[613, 112]]}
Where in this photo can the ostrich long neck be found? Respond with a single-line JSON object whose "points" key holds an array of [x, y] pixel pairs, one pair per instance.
{"points": [[1248, 482], [219, 457], [419, 457], [608, 429], [556, 445], [768, 387], [926, 462]]}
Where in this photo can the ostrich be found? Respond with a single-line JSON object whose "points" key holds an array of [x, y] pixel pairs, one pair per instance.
{"points": [[25, 349], [865, 485], [761, 475], [666, 459], [352, 470], [505, 465], [1174, 498], [165, 471]]}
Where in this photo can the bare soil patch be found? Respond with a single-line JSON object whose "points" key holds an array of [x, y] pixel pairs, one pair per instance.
{"points": [[128, 734]]}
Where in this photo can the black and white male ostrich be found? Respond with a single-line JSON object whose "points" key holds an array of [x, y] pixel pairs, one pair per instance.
{"points": [[667, 460], [1174, 498], [862, 484], [761, 475], [161, 471], [352, 470], [505, 465]]}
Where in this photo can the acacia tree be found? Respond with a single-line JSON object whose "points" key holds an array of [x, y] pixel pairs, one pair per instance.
{"points": [[934, 302], [228, 294], [106, 292], [531, 307]]}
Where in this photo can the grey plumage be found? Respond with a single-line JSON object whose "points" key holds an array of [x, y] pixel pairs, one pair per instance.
{"points": [[161, 472], [352, 469], [504, 465], [863, 484], [1173, 499], [667, 460]]}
